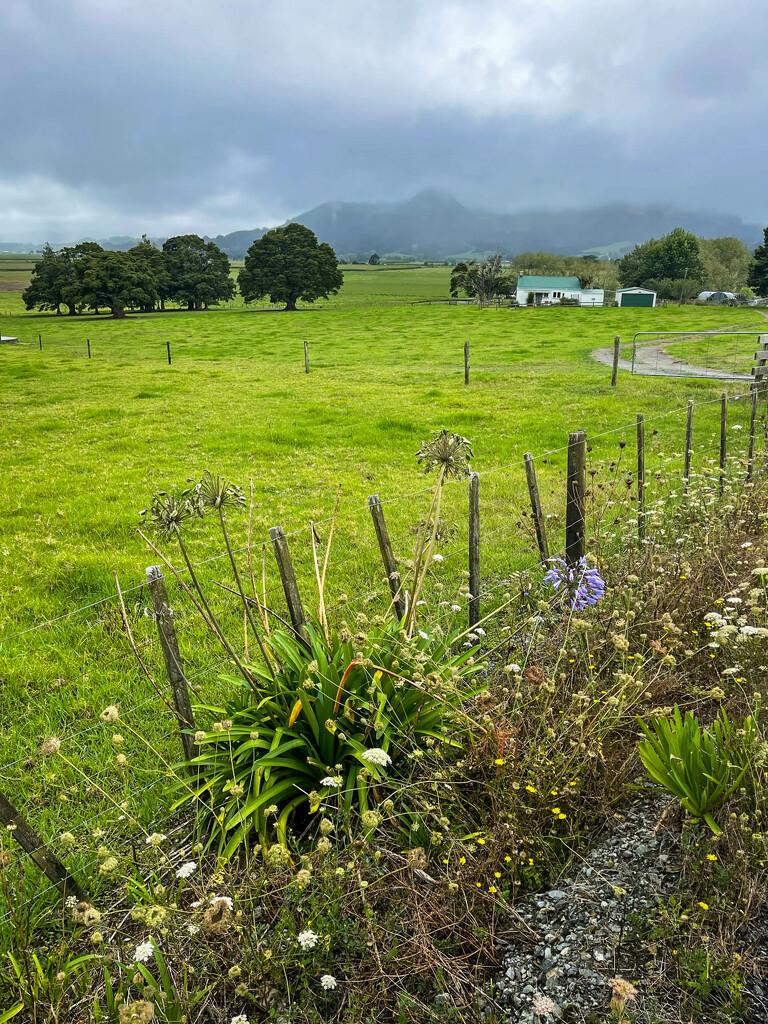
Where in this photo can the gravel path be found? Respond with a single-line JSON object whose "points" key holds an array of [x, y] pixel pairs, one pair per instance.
{"points": [[654, 360], [581, 924]]}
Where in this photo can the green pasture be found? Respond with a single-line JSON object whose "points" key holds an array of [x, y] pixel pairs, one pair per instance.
{"points": [[734, 353], [85, 443]]}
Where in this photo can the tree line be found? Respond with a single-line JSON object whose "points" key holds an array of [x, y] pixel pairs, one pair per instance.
{"points": [[286, 264]]}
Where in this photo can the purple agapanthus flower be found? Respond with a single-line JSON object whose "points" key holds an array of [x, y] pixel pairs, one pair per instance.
{"points": [[583, 584]]}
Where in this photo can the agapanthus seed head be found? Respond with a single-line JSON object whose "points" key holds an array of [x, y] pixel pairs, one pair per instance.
{"points": [[216, 492], [449, 452], [168, 512]]}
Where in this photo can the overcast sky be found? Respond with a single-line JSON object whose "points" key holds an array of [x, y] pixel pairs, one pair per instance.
{"points": [[123, 116]]}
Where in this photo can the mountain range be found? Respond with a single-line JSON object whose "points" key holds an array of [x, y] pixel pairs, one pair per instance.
{"points": [[434, 225]]}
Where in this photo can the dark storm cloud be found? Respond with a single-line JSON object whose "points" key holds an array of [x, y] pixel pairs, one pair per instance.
{"points": [[206, 115]]}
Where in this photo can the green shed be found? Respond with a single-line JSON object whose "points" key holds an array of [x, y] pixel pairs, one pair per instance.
{"points": [[636, 297]]}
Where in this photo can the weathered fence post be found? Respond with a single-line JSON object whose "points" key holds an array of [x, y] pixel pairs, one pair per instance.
{"points": [[288, 579], [536, 510], [466, 362], [172, 657], [32, 844], [615, 368], [168, 350], [40, 341], [474, 548], [688, 443], [88, 343], [723, 437], [575, 540], [640, 476], [306, 357], [387, 554], [752, 425]]}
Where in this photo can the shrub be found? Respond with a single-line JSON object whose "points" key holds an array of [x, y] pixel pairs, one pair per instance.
{"points": [[324, 726], [700, 768]]}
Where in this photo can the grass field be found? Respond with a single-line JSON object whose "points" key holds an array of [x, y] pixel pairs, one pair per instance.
{"points": [[86, 443]]}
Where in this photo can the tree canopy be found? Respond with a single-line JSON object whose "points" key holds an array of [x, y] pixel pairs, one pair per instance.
{"points": [[198, 272], [116, 280], [484, 280], [288, 264], [758, 272]]}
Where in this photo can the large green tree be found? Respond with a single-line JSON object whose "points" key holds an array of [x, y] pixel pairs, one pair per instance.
{"points": [[758, 272], [154, 263], [675, 257], [117, 280], [198, 272], [726, 263], [46, 286], [289, 264]]}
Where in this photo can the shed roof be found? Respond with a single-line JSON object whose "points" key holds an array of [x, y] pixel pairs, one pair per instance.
{"points": [[533, 282], [638, 289]]}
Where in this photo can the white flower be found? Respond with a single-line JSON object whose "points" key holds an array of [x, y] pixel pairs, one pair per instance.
{"points": [[144, 951], [328, 981], [187, 869], [329, 780], [435, 558], [479, 631], [307, 939], [377, 756], [455, 607], [155, 839], [736, 426], [423, 635], [239, 1019], [222, 899]]}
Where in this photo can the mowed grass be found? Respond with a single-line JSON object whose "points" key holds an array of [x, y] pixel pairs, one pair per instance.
{"points": [[85, 443]]}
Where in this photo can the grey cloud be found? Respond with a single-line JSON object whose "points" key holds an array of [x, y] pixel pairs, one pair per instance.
{"points": [[219, 115]]}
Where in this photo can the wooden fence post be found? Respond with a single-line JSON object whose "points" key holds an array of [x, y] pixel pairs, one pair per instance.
{"points": [[474, 548], [640, 476], [615, 368], [688, 443], [32, 844], [168, 350], [387, 554], [306, 357], [575, 540], [536, 510], [752, 425], [88, 343], [40, 341], [466, 362], [172, 657], [288, 579], [723, 437]]}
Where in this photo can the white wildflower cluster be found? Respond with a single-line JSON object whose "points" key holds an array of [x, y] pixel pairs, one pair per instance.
{"points": [[377, 756], [307, 939]]}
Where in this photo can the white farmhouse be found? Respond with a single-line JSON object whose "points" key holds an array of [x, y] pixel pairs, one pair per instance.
{"points": [[549, 291]]}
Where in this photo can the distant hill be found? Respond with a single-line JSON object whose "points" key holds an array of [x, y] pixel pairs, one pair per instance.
{"points": [[434, 225]]}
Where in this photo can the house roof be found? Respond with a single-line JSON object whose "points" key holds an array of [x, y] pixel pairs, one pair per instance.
{"points": [[533, 282]]}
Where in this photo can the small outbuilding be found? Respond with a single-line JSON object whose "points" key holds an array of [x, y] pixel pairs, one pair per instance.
{"points": [[636, 297]]}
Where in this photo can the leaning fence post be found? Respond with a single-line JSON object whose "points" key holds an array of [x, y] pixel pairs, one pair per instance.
{"points": [[723, 437], [88, 343], [387, 554], [18, 826], [474, 548], [466, 362], [172, 657], [615, 368], [306, 357], [168, 350], [536, 510], [640, 476], [40, 341], [575, 546], [288, 579], [688, 443], [752, 425]]}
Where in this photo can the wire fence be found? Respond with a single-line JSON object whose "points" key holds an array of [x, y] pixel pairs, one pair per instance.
{"points": [[116, 776]]}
